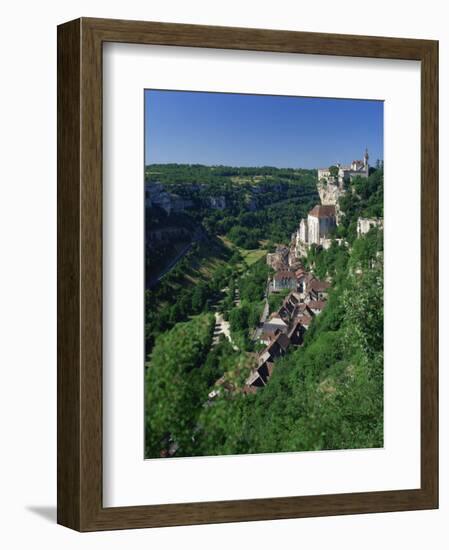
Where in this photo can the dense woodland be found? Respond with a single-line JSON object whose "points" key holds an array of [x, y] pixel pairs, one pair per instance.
{"points": [[260, 202], [327, 394]]}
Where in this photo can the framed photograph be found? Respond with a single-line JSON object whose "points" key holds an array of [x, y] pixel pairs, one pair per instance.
{"points": [[247, 274]]}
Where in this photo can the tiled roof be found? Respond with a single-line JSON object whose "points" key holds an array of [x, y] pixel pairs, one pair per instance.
{"points": [[316, 304], [319, 285], [281, 275], [323, 211], [283, 341]]}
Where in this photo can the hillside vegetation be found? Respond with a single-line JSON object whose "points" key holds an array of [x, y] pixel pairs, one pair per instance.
{"points": [[326, 394], [258, 201]]}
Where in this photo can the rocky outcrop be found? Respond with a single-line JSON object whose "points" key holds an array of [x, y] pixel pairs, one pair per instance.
{"points": [[330, 192]]}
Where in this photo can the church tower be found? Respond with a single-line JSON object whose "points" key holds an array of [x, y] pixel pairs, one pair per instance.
{"points": [[365, 159]]}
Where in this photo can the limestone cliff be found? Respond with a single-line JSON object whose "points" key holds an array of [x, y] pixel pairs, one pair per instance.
{"points": [[329, 192]]}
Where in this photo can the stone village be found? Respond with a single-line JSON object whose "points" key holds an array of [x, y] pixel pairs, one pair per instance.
{"points": [[308, 295]]}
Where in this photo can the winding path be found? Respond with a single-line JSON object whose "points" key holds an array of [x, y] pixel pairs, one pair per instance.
{"points": [[222, 327]]}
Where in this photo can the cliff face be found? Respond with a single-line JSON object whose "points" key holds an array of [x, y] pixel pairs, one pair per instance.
{"points": [[329, 193]]}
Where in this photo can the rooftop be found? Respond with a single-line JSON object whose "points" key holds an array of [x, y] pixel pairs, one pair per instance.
{"points": [[282, 340], [275, 322], [318, 285], [280, 275], [316, 304], [323, 211]]}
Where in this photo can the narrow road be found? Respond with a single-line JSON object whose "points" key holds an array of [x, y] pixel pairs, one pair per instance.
{"points": [[198, 236], [265, 312], [175, 260], [222, 327], [263, 318]]}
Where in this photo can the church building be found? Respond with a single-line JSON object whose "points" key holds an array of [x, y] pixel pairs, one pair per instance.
{"points": [[345, 172], [321, 221]]}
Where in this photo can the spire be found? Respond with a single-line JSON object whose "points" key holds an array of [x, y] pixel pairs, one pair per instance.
{"points": [[365, 158]]}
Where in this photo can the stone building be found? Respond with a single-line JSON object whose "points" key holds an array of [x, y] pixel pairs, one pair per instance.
{"points": [[303, 231], [321, 221], [279, 258], [284, 280], [345, 173], [318, 289], [331, 186], [365, 224], [316, 229]]}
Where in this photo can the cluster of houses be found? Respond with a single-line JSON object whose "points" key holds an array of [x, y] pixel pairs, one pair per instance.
{"points": [[307, 296], [341, 173], [286, 326]]}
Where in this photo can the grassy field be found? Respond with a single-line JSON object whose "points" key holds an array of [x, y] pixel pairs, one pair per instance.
{"points": [[211, 255], [253, 180], [249, 256]]}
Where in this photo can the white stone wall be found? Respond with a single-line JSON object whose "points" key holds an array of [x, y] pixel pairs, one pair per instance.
{"points": [[319, 228], [303, 232], [323, 174], [313, 226], [365, 224], [326, 225]]}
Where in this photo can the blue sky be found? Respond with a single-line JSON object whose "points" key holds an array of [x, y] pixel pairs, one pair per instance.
{"points": [[256, 130]]}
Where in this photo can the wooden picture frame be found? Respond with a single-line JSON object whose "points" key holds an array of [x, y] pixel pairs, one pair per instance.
{"points": [[80, 504]]}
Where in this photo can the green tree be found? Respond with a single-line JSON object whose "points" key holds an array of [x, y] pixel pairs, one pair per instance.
{"points": [[174, 385]]}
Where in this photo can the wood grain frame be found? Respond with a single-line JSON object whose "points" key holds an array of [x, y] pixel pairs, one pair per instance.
{"points": [[80, 274]]}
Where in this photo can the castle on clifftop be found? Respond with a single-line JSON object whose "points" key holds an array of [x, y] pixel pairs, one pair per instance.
{"points": [[340, 174], [322, 220]]}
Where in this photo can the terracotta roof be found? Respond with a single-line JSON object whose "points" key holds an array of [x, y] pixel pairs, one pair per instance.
{"points": [[316, 304], [323, 211], [275, 321], [319, 285], [269, 334], [292, 298], [269, 327], [280, 275], [308, 277], [283, 341]]}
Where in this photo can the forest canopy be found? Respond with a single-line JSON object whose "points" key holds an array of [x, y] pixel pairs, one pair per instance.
{"points": [[326, 393]]}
